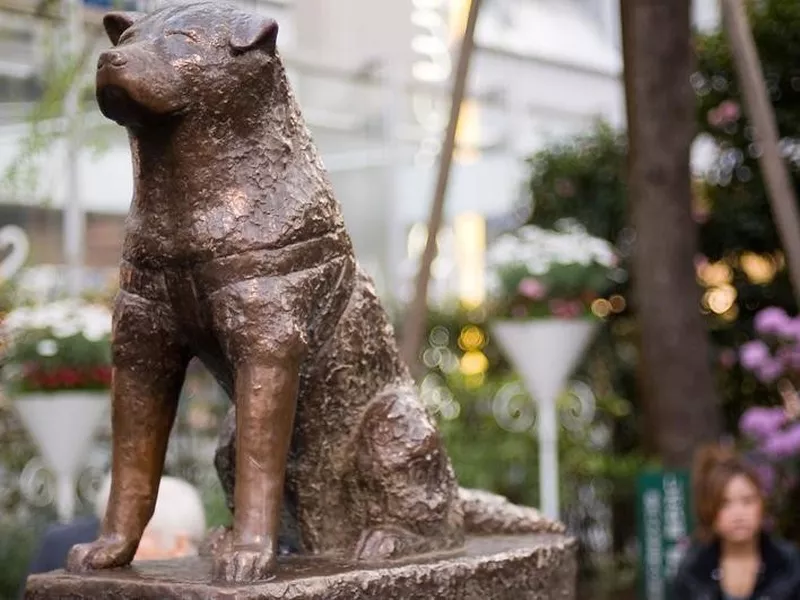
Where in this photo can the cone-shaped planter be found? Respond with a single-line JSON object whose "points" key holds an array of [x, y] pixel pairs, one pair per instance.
{"points": [[63, 424], [545, 353]]}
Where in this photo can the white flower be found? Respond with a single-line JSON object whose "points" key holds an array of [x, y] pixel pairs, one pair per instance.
{"points": [[65, 329], [63, 319], [571, 226], [40, 319], [47, 348], [97, 319], [17, 319], [93, 333], [537, 265], [538, 251]]}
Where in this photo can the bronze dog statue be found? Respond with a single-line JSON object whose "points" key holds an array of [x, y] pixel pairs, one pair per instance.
{"points": [[235, 252]]}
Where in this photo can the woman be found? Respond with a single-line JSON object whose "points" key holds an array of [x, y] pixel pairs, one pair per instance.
{"points": [[734, 558]]}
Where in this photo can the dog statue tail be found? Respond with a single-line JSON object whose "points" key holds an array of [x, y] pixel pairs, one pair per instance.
{"points": [[490, 514]]}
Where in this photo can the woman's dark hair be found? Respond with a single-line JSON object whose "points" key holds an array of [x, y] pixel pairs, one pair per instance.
{"points": [[714, 467]]}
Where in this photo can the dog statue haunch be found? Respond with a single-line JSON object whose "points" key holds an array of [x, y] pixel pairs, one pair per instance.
{"points": [[236, 253]]}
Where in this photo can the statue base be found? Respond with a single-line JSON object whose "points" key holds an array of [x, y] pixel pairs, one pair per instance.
{"points": [[519, 567]]}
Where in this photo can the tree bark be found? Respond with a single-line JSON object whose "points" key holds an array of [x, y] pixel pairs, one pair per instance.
{"points": [[679, 401]]}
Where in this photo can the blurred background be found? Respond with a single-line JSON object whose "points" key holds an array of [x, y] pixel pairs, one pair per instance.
{"points": [[541, 138]]}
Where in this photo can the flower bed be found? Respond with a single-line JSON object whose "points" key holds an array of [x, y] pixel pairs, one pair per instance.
{"points": [[535, 273], [59, 346]]}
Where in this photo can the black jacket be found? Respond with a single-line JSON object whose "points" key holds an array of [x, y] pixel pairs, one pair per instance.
{"points": [[56, 543], [698, 577]]}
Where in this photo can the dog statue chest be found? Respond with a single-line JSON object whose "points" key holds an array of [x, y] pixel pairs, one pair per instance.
{"points": [[194, 228]]}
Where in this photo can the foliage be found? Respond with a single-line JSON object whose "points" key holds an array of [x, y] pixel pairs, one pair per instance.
{"points": [[488, 420], [738, 230], [15, 452], [18, 542], [47, 120], [539, 273], [216, 510], [7, 293], [739, 216], [582, 178], [21, 523], [63, 345]]}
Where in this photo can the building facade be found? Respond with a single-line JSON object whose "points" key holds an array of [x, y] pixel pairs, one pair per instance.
{"points": [[373, 80]]}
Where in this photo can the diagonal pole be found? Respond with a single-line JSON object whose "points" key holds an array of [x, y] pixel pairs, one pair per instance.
{"points": [[759, 111], [414, 327]]}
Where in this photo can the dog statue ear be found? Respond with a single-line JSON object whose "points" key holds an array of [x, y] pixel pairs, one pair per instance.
{"points": [[115, 23], [254, 32]]}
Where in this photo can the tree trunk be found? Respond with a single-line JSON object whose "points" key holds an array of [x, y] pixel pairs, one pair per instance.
{"points": [[680, 401]]}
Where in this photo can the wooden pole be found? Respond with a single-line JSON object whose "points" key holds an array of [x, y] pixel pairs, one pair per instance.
{"points": [[759, 111], [414, 326]]}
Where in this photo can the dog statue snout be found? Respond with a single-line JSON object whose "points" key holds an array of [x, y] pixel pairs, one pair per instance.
{"points": [[111, 58]]}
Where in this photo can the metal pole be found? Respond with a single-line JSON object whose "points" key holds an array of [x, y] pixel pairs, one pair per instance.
{"points": [[74, 226], [759, 111], [414, 328]]}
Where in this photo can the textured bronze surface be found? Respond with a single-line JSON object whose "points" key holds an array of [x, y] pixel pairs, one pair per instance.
{"points": [[536, 567], [235, 252]]}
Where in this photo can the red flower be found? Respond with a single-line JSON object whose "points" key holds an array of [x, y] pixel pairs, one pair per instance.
{"points": [[70, 377], [66, 377], [48, 381]]}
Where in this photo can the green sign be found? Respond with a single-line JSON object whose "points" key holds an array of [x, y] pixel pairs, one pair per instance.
{"points": [[664, 516]]}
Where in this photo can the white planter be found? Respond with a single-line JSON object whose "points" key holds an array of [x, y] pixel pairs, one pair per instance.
{"points": [[545, 353], [63, 424]]}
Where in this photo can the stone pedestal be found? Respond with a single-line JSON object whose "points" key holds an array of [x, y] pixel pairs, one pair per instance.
{"points": [[521, 567]]}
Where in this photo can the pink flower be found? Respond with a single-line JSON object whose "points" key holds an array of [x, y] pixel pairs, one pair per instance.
{"points": [[754, 354], [728, 111], [575, 308], [565, 309], [759, 422], [770, 370], [771, 321], [791, 358], [784, 443], [790, 329], [531, 288]]}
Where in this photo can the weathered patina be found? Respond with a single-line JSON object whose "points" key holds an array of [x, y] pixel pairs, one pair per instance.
{"points": [[236, 253]]}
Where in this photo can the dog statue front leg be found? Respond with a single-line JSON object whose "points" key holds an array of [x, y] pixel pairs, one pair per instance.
{"points": [[149, 369], [265, 396]]}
